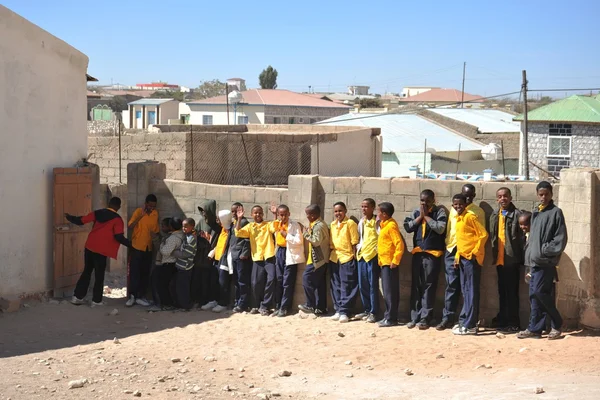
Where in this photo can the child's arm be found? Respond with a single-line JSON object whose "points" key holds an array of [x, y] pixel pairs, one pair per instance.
{"points": [[169, 246], [439, 222], [294, 234], [314, 236], [412, 222], [354, 237], [188, 250], [398, 246], [118, 233], [80, 221], [138, 214], [481, 234], [557, 244]]}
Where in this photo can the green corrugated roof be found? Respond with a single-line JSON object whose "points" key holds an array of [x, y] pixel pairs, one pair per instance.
{"points": [[572, 109]]}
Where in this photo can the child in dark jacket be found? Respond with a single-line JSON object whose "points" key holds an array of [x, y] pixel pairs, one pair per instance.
{"points": [[184, 264], [205, 278]]}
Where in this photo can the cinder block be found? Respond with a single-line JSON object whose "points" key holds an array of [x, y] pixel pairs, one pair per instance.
{"points": [[355, 200], [526, 192], [242, 194], [440, 188], [267, 196], [187, 205], [582, 233], [184, 189], [490, 189], [10, 304], [403, 186], [346, 185], [411, 202], [295, 182], [375, 185], [456, 187], [218, 192], [326, 184], [200, 191], [331, 199], [396, 200]]}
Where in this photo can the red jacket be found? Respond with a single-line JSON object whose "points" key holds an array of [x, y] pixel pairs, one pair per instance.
{"points": [[107, 233]]}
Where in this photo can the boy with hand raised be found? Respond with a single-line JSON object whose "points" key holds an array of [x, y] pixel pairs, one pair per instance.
{"points": [[368, 267]]}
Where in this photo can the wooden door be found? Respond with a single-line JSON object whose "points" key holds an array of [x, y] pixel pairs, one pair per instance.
{"points": [[72, 195]]}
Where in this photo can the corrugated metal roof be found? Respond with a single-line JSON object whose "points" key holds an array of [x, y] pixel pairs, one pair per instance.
{"points": [[149, 102], [487, 121], [572, 109], [407, 132]]}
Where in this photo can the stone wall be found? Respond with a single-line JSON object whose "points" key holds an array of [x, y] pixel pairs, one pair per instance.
{"points": [[511, 142], [302, 115], [102, 128], [585, 149]]}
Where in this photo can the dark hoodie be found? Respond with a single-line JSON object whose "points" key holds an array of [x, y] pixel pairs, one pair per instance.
{"points": [[209, 225], [547, 237], [107, 231]]}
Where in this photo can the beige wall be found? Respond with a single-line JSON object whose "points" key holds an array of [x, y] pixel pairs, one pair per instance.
{"points": [[255, 114], [43, 108]]}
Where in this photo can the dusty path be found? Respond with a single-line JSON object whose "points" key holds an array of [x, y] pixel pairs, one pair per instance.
{"points": [[45, 346]]}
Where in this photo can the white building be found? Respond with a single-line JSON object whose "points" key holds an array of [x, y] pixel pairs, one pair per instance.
{"points": [[408, 91], [43, 114], [358, 90], [143, 113]]}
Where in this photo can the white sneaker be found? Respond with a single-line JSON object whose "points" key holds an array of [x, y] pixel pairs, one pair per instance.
{"points": [[77, 301], [209, 306], [335, 317], [142, 302], [130, 302], [344, 318], [218, 309], [94, 304]]}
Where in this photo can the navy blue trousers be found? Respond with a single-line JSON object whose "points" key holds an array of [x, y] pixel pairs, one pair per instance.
{"points": [[368, 284], [390, 282], [335, 285], [508, 294], [315, 287], [543, 302], [286, 281], [224, 285], [263, 283], [243, 270], [452, 293], [425, 273], [348, 291], [470, 279]]}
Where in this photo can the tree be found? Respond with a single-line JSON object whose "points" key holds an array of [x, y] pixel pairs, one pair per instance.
{"points": [[209, 89], [118, 104], [168, 94], [268, 78], [369, 103]]}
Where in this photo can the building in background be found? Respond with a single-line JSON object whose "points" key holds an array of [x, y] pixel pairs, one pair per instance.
{"points": [[155, 86], [563, 134], [263, 106], [408, 91], [442, 97], [358, 90], [238, 84], [143, 113]]}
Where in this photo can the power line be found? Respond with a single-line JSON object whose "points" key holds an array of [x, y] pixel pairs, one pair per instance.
{"points": [[561, 90]]}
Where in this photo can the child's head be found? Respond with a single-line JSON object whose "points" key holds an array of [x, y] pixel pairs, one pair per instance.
{"points": [[386, 211], [176, 224], [368, 207], [283, 213], [339, 211], [459, 203], [188, 225], [503, 197], [258, 214], [468, 191], [427, 198], [544, 192], [313, 212], [150, 203], [525, 221], [114, 203], [234, 208], [165, 225], [224, 218]]}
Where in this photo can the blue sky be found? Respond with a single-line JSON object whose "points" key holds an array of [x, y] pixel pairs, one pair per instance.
{"points": [[330, 44]]}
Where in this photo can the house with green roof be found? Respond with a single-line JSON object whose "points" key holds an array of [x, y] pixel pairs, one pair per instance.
{"points": [[563, 134]]}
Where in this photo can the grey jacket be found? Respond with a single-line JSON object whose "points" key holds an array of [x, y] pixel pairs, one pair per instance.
{"points": [[318, 237], [547, 237], [237, 246], [514, 240]]}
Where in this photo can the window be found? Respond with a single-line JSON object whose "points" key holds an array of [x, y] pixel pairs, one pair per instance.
{"points": [[291, 121], [242, 120], [277, 120], [559, 129], [559, 146], [207, 120]]}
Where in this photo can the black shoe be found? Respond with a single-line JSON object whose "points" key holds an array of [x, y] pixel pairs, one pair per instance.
{"points": [[445, 324], [527, 334], [509, 329], [362, 315], [371, 319], [306, 309], [282, 313], [254, 310], [423, 325], [320, 313], [264, 312], [411, 324], [386, 323]]}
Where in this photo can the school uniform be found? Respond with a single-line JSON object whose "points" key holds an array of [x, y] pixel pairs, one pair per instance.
{"points": [[262, 248], [166, 270], [313, 278], [181, 286], [141, 252], [390, 248], [239, 251], [205, 278], [428, 249], [368, 267], [547, 241], [289, 253], [470, 253], [223, 263], [344, 277], [506, 238], [452, 292], [102, 242]]}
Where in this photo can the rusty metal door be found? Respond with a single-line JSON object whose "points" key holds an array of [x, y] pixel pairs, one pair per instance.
{"points": [[72, 195]]}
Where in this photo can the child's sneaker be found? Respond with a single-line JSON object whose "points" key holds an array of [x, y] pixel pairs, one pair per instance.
{"points": [[461, 330], [335, 317], [343, 318], [76, 301], [218, 309], [209, 306], [142, 302], [154, 308], [130, 301], [94, 304]]}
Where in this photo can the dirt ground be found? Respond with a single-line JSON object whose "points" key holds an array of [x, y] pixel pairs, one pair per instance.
{"points": [[46, 345]]}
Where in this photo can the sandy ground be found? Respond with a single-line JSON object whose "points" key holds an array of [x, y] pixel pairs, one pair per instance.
{"points": [[46, 345]]}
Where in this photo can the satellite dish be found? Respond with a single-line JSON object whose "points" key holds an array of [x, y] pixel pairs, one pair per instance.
{"points": [[235, 97], [491, 152]]}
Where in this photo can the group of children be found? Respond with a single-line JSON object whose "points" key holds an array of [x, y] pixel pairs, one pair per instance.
{"points": [[260, 258]]}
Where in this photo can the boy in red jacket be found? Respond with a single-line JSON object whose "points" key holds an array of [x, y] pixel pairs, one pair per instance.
{"points": [[102, 242]]}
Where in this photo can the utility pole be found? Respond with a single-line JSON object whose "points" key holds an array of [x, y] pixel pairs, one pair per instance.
{"points": [[462, 99], [525, 128], [227, 99]]}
